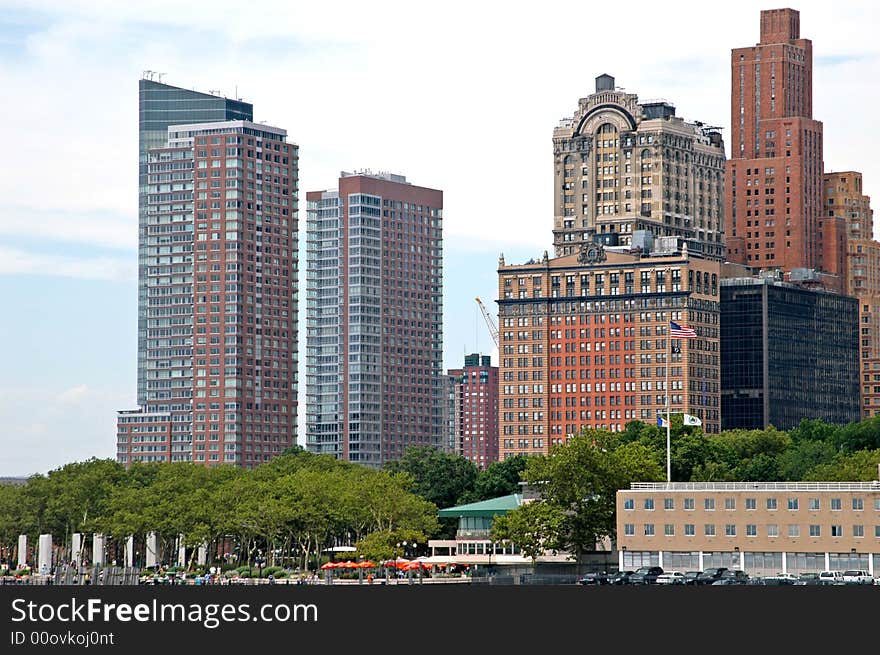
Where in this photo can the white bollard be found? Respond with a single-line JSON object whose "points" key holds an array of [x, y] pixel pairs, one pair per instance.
{"points": [[44, 559], [98, 549], [76, 547], [22, 551], [129, 552], [152, 554]]}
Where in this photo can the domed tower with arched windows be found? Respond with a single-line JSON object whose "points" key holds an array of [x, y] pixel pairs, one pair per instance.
{"points": [[622, 167]]}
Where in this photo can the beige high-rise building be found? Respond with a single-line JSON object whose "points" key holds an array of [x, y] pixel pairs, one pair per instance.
{"points": [[621, 165], [843, 199]]}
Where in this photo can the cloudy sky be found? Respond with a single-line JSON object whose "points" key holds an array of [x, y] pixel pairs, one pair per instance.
{"points": [[460, 96]]}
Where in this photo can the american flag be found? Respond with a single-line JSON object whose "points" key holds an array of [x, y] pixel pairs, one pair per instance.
{"points": [[677, 331]]}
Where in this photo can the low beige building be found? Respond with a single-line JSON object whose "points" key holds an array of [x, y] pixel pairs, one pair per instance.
{"points": [[763, 528]]}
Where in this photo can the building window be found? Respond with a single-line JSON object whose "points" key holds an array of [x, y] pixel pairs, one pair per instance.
{"points": [[629, 503], [771, 504], [668, 503], [835, 504], [649, 503], [792, 503], [669, 530], [836, 530], [751, 503], [814, 504], [877, 531], [772, 530], [709, 504], [730, 503], [730, 530], [877, 504], [858, 530], [751, 530], [688, 503], [629, 529], [689, 530], [858, 504], [794, 530], [649, 529], [815, 531]]}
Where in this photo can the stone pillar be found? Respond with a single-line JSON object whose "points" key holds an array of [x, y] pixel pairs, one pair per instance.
{"points": [[827, 562], [76, 547], [784, 563], [22, 551], [152, 554], [129, 551], [742, 560], [98, 549], [44, 559], [181, 551], [202, 558], [620, 560], [701, 561], [660, 558]]}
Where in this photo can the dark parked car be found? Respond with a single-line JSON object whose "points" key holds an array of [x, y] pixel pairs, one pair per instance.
{"points": [[734, 576], [621, 578], [805, 579], [646, 575], [710, 575], [690, 577], [598, 578]]}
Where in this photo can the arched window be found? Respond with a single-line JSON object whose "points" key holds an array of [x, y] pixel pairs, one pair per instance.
{"points": [[646, 153]]}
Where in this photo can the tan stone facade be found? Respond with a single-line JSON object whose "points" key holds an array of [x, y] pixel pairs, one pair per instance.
{"points": [[622, 166], [814, 523], [583, 344]]}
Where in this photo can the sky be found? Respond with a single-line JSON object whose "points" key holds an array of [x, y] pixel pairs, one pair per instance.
{"points": [[457, 96]]}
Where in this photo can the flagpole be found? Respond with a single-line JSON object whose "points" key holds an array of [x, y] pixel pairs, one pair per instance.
{"points": [[668, 415]]}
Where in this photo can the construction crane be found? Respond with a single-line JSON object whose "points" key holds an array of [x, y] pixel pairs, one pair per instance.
{"points": [[493, 329]]}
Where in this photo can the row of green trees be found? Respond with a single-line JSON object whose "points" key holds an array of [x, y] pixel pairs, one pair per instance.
{"points": [[304, 503], [299, 502]]}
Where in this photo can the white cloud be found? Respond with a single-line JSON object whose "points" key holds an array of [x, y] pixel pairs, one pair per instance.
{"points": [[74, 394], [14, 261], [84, 227]]}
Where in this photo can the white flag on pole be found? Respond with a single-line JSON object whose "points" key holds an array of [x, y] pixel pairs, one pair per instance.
{"points": [[692, 420]]}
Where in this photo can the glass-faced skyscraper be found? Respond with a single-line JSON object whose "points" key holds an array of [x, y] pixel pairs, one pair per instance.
{"points": [[218, 265], [161, 105]]}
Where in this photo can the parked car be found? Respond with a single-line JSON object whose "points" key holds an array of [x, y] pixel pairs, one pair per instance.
{"points": [[621, 578], [671, 577], [735, 576], [710, 575], [831, 578], [690, 577], [857, 576], [805, 579], [646, 575], [596, 578]]}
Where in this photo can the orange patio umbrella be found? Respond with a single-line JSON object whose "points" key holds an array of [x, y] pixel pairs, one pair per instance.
{"points": [[329, 565]]}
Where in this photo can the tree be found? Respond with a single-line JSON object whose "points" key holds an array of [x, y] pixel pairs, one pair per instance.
{"points": [[581, 479], [535, 527], [498, 479], [860, 466], [438, 477]]}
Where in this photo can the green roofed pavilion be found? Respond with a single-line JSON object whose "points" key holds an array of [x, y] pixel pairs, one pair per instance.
{"points": [[484, 508]]}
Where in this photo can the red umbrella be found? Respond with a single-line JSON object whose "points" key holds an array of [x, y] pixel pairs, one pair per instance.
{"points": [[329, 565], [349, 565], [366, 565]]}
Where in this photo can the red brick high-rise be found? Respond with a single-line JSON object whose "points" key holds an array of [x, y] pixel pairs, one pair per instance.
{"points": [[774, 174], [475, 428], [374, 318]]}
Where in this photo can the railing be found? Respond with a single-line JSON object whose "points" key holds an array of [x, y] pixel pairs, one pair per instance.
{"points": [[751, 486]]}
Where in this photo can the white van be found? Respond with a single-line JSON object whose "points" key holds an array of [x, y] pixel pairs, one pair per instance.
{"points": [[854, 576], [831, 577]]}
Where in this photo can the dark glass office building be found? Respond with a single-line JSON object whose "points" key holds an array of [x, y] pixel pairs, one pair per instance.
{"points": [[161, 105], [788, 352]]}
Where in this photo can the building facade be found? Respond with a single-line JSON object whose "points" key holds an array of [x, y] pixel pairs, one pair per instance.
{"points": [[763, 528], [774, 174], [374, 383], [621, 166], [845, 202], [218, 277], [475, 409], [788, 352], [584, 341]]}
